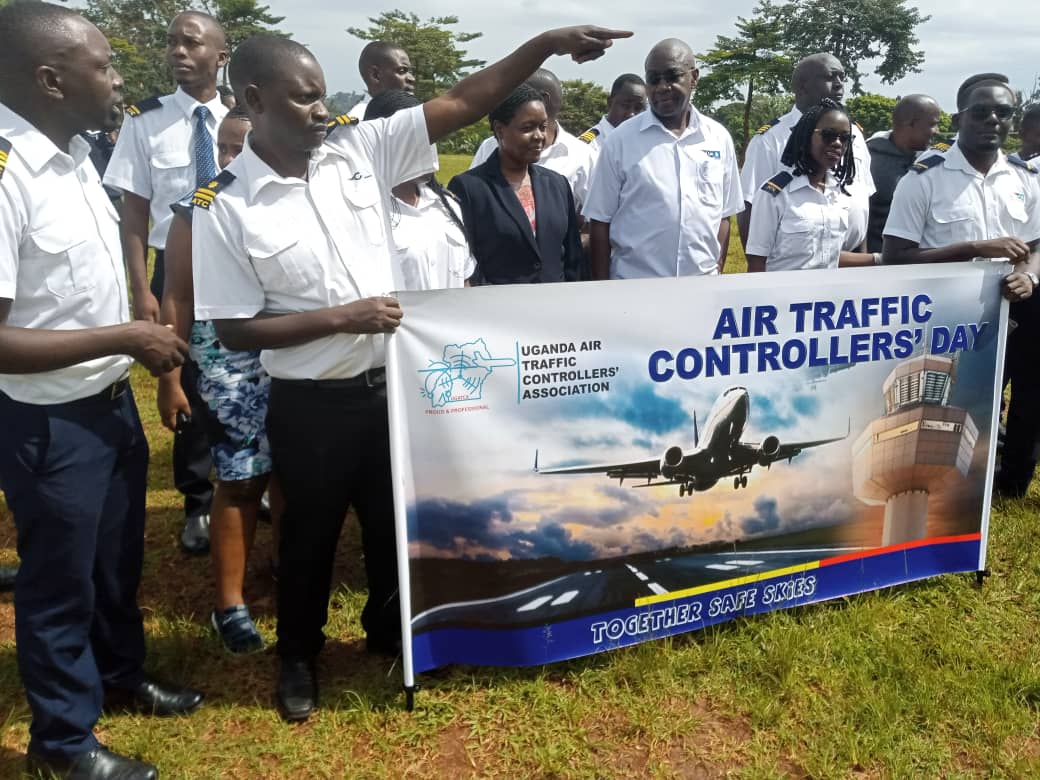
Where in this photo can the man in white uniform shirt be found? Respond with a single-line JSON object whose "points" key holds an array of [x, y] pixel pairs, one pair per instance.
{"points": [[562, 152], [627, 98], [161, 156], [290, 256], [73, 455], [816, 77], [665, 183], [383, 66]]}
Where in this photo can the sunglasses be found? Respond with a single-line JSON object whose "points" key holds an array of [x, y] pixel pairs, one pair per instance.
{"points": [[829, 136], [980, 111]]}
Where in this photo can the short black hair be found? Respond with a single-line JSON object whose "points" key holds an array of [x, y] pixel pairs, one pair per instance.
{"points": [[238, 112], [623, 79], [507, 109], [1030, 116], [797, 154], [978, 80], [261, 58], [27, 28], [389, 103], [376, 53]]}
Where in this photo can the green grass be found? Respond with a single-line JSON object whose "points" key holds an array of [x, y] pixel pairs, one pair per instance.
{"points": [[935, 679]]}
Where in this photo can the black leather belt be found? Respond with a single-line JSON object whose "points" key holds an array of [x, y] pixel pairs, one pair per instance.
{"points": [[113, 391], [371, 379]]}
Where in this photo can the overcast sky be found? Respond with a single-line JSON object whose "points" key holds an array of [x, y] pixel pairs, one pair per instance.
{"points": [[957, 41]]}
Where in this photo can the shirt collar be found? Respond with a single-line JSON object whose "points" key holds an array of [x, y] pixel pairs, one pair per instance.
{"points": [[187, 104], [34, 148], [955, 160], [259, 174], [649, 119]]}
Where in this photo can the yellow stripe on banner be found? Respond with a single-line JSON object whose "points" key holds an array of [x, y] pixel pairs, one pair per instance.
{"points": [[766, 575]]}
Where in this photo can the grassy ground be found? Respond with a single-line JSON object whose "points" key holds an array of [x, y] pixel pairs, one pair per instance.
{"points": [[935, 679]]}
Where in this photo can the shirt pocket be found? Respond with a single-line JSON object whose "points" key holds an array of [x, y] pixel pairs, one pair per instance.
{"points": [[364, 200], [171, 174], [796, 238], [283, 264], [954, 222], [59, 261], [710, 181]]}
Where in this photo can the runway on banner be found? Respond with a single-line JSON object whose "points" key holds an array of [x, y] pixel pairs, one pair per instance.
{"points": [[615, 585]]}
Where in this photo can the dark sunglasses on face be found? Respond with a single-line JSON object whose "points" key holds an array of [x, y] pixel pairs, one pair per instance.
{"points": [[980, 111], [829, 136]]}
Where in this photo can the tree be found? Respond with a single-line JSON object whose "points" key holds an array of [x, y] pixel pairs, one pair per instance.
{"points": [[755, 61], [732, 116], [434, 50], [583, 105], [136, 30], [857, 31], [872, 112]]}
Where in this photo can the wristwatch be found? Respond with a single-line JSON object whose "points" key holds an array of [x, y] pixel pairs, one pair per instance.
{"points": [[1033, 278]]}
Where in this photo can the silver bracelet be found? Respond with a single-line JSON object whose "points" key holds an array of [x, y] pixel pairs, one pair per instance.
{"points": [[877, 258]]}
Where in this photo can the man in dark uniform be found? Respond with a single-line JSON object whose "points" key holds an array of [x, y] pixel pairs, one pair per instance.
{"points": [[73, 455]]}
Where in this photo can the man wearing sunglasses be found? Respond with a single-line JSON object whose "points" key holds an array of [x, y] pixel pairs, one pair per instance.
{"points": [[974, 202]]}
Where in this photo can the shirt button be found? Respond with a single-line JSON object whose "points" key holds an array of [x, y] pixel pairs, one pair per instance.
{"points": [[538, 266]]}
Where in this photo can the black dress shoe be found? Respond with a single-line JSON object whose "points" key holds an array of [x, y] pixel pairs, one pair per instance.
{"points": [[195, 535], [154, 698], [99, 764], [7, 575], [297, 688]]}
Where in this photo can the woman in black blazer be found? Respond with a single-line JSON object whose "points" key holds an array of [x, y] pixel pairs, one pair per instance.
{"points": [[520, 217]]}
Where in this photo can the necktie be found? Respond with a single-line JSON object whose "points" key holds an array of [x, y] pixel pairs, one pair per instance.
{"points": [[205, 167]]}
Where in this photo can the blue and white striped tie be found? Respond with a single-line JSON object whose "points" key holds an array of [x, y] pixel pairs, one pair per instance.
{"points": [[205, 167]]}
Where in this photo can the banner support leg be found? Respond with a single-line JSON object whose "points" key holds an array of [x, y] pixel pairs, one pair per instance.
{"points": [[409, 696], [980, 576]]}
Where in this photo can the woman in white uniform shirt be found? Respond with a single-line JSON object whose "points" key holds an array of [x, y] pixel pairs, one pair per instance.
{"points": [[800, 217], [429, 239]]}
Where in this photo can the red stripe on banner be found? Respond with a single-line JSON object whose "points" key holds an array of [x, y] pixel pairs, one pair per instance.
{"points": [[904, 546]]}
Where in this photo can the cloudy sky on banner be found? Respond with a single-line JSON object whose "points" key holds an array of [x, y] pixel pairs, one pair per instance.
{"points": [[957, 41]]}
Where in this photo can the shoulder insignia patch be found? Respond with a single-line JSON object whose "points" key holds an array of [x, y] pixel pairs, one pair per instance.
{"points": [[589, 135], [204, 196], [1016, 160], [776, 185], [927, 163], [5, 149], [940, 146], [765, 128], [341, 120], [136, 109]]}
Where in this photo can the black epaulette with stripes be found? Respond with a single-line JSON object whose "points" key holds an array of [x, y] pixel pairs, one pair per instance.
{"points": [[1023, 164], [5, 149], [343, 120], [765, 128], [203, 197], [776, 185], [589, 135], [143, 106], [927, 163]]}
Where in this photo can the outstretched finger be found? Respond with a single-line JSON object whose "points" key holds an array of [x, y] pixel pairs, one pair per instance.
{"points": [[607, 35]]}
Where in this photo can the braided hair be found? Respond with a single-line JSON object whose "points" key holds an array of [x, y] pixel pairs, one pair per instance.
{"points": [[508, 108], [387, 104], [798, 152]]}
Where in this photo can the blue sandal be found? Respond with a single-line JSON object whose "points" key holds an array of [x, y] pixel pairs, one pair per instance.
{"points": [[236, 629]]}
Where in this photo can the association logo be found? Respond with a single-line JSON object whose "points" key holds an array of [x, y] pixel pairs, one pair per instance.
{"points": [[459, 376]]}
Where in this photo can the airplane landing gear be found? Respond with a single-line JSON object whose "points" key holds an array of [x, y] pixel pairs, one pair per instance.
{"points": [[736, 483], [682, 490], [743, 481], [740, 482]]}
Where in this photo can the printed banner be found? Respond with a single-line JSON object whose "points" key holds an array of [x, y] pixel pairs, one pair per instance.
{"points": [[580, 467]]}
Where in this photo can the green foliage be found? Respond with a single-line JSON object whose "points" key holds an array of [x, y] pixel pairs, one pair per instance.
{"points": [[857, 31], [763, 109], [466, 140], [872, 112], [584, 103], [136, 29], [433, 49]]}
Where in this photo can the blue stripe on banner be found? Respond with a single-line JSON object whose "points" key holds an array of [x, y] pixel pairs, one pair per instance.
{"points": [[605, 631]]}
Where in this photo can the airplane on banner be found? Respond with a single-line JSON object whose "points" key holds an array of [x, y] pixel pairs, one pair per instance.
{"points": [[721, 454]]}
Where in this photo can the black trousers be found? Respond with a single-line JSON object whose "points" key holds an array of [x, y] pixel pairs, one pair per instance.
{"points": [[75, 475], [331, 450], [1022, 369], [192, 462]]}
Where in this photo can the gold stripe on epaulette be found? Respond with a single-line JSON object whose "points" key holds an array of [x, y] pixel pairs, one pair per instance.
{"points": [[133, 111], [773, 185]]}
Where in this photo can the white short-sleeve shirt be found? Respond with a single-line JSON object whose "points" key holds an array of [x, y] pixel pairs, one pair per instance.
{"points": [[357, 111], [762, 161], [951, 202], [154, 156], [799, 227], [61, 265], [568, 156], [272, 244], [430, 251], [664, 196]]}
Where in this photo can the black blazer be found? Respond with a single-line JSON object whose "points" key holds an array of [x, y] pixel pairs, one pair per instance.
{"points": [[500, 236]]}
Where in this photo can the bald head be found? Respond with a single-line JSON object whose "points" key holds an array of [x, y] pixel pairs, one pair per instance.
{"points": [[671, 75], [545, 81], [816, 77], [261, 59], [914, 107], [915, 121], [671, 49]]}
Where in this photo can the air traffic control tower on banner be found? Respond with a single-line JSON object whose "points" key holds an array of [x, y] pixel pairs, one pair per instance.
{"points": [[919, 447]]}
